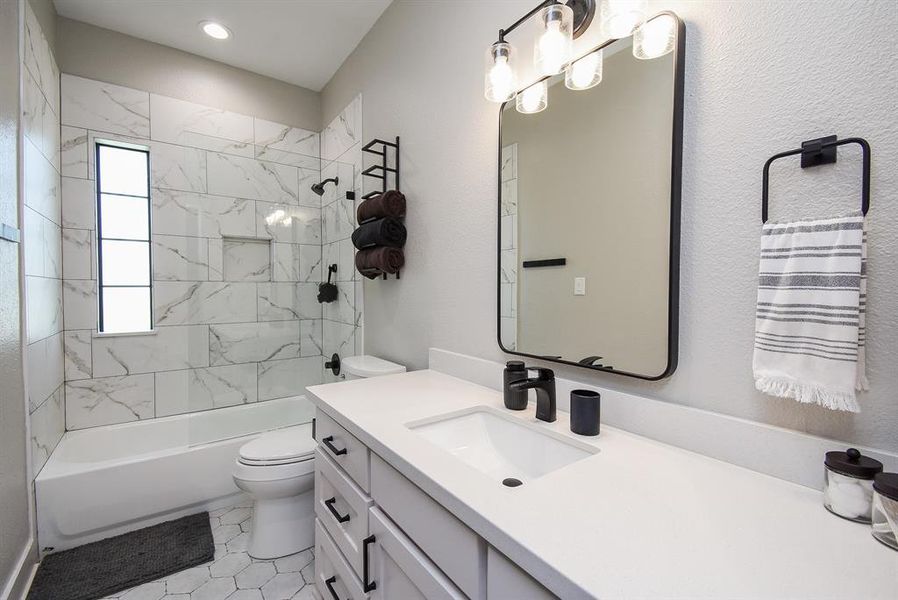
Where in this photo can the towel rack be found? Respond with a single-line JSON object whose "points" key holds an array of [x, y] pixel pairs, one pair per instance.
{"points": [[821, 151], [382, 170]]}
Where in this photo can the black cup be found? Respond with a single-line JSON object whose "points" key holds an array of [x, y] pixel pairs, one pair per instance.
{"points": [[585, 412]]}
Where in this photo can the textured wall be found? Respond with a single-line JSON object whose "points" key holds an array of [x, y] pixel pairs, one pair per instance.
{"points": [[760, 78]]}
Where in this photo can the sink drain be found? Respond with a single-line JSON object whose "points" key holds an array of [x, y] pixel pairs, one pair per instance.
{"points": [[512, 482]]}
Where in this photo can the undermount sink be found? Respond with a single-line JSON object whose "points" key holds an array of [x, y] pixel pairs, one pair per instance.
{"points": [[500, 445]]}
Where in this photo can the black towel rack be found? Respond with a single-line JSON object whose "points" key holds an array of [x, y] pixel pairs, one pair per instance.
{"points": [[383, 170], [821, 151]]}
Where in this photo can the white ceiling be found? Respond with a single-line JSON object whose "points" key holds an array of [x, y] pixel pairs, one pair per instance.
{"points": [[302, 42]]}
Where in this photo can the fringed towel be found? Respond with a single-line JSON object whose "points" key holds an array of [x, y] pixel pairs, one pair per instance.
{"points": [[810, 321]]}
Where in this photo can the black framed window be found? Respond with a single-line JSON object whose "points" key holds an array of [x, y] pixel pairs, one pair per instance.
{"points": [[124, 256]]}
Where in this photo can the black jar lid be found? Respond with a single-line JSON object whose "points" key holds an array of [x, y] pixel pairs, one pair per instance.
{"points": [[886, 484], [852, 463], [515, 365]]}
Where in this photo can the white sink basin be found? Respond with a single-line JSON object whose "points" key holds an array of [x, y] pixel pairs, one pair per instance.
{"points": [[500, 445]]}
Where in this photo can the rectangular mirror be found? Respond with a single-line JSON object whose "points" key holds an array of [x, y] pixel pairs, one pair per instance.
{"points": [[589, 209]]}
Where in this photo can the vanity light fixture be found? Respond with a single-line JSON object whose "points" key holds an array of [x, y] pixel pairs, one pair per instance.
{"points": [[619, 18], [215, 30], [585, 72], [552, 51], [534, 99], [656, 37], [500, 82]]}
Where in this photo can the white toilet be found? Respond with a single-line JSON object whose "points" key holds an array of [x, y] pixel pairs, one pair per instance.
{"points": [[277, 471], [360, 367]]}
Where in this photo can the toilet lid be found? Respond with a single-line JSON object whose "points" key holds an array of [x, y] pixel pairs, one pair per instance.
{"points": [[290, 444], [370, 366]]}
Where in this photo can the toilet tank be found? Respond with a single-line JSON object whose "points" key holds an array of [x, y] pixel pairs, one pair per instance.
{"points": [[360, 367]]}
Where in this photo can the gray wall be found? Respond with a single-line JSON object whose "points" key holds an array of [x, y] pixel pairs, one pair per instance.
{"points": [[104, 55], [760, 78]]}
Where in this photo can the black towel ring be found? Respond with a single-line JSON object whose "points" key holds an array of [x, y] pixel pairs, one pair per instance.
{"points": [[821, 151]]}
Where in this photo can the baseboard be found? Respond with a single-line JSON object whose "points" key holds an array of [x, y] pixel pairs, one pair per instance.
{"points": [[783, 453], [20, 579]]}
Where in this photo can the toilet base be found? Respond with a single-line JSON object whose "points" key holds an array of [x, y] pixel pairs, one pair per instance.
{"points": [[282, 526]]}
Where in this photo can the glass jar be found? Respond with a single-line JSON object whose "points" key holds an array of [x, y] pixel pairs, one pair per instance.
{"points": [[848, 490], [885, 509]]}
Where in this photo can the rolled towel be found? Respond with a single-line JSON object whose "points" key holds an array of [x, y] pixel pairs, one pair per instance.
{"points": [[389, 204], [376, 261], [382, 232]]}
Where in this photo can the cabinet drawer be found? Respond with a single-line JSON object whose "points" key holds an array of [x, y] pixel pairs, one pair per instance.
{"points": [[346, 450], [342, 509], [333, 576], [456, 550], [398, 569]]}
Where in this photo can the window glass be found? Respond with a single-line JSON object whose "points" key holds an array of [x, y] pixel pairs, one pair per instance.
{"points": [[124, 217], [124, 171], [126, 309], [125, 263]]}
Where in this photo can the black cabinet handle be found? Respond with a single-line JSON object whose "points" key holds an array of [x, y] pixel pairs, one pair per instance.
{"points": [[330, 587], [330, 506], [329, 442], [366, 566]]}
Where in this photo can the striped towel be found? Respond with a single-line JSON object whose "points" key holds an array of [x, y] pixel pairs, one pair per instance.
{"points": [[809, 326]]}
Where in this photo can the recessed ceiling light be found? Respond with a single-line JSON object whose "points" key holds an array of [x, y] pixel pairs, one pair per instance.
{"points": [[215, 30]]}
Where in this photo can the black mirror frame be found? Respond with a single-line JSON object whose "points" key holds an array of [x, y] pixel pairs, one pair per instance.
{"points": [[676, 177]]}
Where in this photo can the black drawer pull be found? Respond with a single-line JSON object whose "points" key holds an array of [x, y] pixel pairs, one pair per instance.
{"points": [[330, 506], [330, 587], [366, 567], [329, 442]]}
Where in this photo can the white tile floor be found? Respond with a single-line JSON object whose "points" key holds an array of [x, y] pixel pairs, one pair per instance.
{"points": [[233, 575]]}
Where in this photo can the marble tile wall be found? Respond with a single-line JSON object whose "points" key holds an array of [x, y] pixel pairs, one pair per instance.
{"points": [[508, 316], [237, 254], [42, 243]]}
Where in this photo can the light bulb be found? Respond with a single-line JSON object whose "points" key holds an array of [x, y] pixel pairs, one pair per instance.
{"points": [[620, 17], [585, 72], [655, 38], [499, 82], [215, 30], [533, 99], [553, 48]]}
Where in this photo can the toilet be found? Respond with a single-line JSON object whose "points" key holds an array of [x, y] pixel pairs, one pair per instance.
{"points": [[277, 471]]}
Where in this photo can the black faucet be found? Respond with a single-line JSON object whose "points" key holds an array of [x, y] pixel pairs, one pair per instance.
{"points": [[544, 384]]}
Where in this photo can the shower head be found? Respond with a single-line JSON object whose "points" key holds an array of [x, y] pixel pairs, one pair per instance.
{"points": [[318, 188]]}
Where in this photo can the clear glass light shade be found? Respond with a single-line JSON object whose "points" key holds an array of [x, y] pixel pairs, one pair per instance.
{"points": [[655, 38], [552, 51], [499, 81], [533, 99], [584, 73], [619, 18]]}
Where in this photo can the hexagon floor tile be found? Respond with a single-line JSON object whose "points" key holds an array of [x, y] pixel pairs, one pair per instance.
{"points": [[232, 575]]}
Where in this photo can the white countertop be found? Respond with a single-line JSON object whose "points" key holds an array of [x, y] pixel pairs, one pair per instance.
{"points": [[640, 519]]}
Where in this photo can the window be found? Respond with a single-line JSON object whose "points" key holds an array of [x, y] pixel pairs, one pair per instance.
{"points": [[124, 261]]}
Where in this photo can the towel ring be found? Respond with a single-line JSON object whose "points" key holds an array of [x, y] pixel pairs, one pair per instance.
{"points": [[821, 151]]}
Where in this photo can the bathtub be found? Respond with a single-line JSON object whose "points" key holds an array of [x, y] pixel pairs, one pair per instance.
{"points": [[104, 481]]}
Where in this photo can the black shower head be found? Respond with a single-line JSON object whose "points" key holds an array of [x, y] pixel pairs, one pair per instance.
{"points": [[318, 188]]}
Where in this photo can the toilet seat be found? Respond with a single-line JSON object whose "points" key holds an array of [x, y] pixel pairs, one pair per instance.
{"points": [[280, 447]]}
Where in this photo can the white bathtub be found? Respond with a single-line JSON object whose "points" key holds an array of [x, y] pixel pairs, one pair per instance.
{"points": [[108, 480]]}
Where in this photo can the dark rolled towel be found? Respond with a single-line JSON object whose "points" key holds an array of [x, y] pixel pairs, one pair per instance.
{"points": [[376, 261], [389, 204], [382, 232]]}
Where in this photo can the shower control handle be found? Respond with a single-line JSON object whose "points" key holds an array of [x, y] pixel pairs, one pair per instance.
{"points": [[330, 506], [329, 442]]}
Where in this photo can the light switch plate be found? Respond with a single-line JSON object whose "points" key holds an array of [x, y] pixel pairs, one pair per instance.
{"points": [[579, 286]]}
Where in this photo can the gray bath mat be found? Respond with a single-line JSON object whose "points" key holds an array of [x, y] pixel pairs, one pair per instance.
{"points": [[102, 568]]}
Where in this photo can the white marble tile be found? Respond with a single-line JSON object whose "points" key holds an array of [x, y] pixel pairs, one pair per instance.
{"points": [[93, 137], [509, 162], [78, 361], [510, 197], [44, 368], [42, 245], [508, 332], [78, 203], [343, 172], [202, 215], [38, 59], [177, 167], [507, 300], [280, 378], [343, 308], [304, 195], [182, 303], [250, 178], [338, 338], [41, 183], [310, 343], [308, 163], [310, 269], [80, 301], [246, 260], [287, 223], [43, 305], [199, 126], [34, 105], [47, 428], [508, 260], [508, 233], [343, 132], [216, 259], [286, 261], [73, 152], [51, 138], [105, 107], [342, 254], [93, 402], [277, 136], [77, 255], [177, 258], [201, 389], [168, 349], [339, 220], [253, 342], [287, 301]]}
